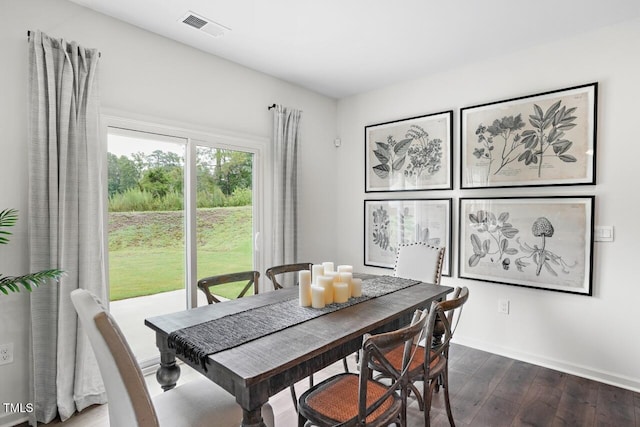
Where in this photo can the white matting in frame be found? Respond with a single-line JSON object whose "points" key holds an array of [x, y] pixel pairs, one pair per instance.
{"points": [[388, 223], [409, 154], [536, 242], [536, 140]]}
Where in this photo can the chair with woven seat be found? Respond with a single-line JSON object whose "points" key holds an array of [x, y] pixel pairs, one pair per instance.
{"points": [[197, 403], [431, 363], [419, 261], [351, 399], [252, 278], [278, 274]]}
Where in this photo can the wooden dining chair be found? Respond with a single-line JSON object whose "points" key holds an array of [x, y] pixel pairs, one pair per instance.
{"points": [[252, 278], [351, 399], [431, 364], [419, 261], [199, 402], [278, 274]]}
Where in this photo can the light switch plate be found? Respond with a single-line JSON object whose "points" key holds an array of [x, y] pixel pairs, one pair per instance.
{"points": [[603, 233]]}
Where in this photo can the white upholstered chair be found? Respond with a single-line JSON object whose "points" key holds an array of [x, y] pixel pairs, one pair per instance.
{"points": [[419, 261], [197, 403]]}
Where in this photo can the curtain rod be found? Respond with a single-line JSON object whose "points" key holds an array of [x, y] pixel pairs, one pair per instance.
{"points": [[271, 106], [29, 37]]}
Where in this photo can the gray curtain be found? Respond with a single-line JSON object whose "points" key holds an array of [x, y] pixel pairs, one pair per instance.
{"points": [[286, 125], [65, 222]]}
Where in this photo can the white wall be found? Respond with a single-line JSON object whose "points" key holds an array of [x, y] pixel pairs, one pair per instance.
{"points": [[145, 75], [594, 336]]}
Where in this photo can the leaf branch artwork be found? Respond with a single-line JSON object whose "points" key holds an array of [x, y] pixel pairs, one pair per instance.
{"points": [[544, 139], [548, 132], [391, 155], [532, 145], [409, 154], [425, 155], [536, 242], [392, 222]]}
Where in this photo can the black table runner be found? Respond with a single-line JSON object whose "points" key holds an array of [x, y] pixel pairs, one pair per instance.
{"points": [[197, 342]]}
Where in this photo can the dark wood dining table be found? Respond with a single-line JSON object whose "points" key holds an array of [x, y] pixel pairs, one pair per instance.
{"points": [[255, 370]]}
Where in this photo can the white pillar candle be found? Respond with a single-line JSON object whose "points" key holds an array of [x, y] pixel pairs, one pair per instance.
{"points": [[304, 287], [340, 292], [356, 287], [345, 269], [317, 270], [328, 266], [326, 283], [347, 278], [335, 276], [317, 296]]}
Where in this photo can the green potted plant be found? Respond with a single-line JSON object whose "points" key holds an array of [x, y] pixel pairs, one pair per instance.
{"points": [[8, 218]]}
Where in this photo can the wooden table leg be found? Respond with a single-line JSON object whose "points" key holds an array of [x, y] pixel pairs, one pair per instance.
{"points": [[168, 372], [252, 418]]}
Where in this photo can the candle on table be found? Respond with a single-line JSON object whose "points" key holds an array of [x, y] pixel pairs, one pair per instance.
{"points": [[317, 270], [356, 287], [304, 287], [328, 266], [317, 296], [326, 283], [340, 292], [345, 269], [346, 277], [335, 276]]}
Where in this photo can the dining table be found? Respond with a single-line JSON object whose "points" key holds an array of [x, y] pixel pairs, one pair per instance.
{"points": [[256, 346]]}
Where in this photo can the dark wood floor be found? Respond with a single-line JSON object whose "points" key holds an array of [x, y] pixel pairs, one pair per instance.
{"points": [[486, 390], [491, 390]]}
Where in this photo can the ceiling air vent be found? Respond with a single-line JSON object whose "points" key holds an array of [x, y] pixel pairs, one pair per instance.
{"points": [[203, 24]]}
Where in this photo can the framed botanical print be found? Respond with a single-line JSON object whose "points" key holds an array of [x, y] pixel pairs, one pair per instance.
{"points": [[388, 223], [536, 242], [409, 154], [536, 140]]}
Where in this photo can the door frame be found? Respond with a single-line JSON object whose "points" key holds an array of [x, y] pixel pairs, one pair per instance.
{"points": [[262, 209]]}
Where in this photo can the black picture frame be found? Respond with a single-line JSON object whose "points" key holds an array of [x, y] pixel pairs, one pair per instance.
{"points": [[411, 154], [388, 222], [535, 242], [543, 139]]}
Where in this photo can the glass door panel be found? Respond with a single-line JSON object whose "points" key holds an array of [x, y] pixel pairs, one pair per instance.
{"points": [[224, 216], [146, 234]]}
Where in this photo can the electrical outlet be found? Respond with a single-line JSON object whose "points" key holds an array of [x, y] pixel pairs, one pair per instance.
{"points": [[6, 353], [503, 306]]}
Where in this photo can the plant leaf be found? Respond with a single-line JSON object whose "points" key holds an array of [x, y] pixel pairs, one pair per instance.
{"points": [[509, 232], [539, 113], [503, 217], [511, 251], [562, 146], [486, 245], [382, 171], [474, 260], [568, 158], [397, 165], [475, 242], [567, 126], [382, 158], [401, 148], [552, 110]]}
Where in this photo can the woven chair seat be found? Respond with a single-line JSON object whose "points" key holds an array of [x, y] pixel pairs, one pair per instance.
{"points": [[336, 399], [395, 357]]}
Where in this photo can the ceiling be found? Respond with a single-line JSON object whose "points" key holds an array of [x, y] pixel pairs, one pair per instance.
{"points": [[343, 47]]}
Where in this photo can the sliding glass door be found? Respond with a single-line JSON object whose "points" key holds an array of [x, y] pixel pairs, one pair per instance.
{"points": [[179, 209]]}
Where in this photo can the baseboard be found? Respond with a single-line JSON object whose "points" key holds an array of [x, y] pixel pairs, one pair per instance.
{"points": [[610, 378]]}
